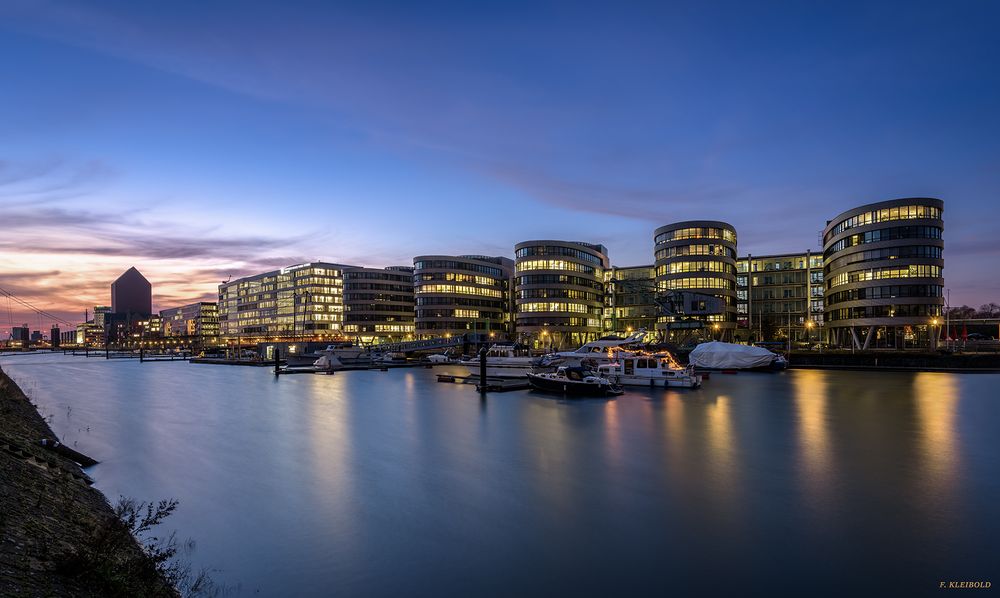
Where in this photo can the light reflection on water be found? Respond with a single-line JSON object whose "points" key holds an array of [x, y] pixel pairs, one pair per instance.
{"points": [[388, 483]]}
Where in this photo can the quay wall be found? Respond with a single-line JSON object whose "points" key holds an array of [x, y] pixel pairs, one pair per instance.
{"points": [[897, 360]]}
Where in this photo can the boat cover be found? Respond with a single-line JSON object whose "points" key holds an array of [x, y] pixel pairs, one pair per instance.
{"points": [[729, 356]]}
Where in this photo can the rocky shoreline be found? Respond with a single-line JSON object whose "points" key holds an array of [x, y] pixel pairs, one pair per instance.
{"points": [[58, 535]]}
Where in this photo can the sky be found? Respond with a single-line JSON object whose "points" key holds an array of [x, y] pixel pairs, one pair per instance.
{"points": [[202, 140]]}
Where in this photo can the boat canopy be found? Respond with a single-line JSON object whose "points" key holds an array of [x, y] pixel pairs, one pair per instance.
{"points": [[726, 356]]}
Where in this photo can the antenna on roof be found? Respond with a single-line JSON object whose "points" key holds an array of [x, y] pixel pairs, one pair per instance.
{"points": [[226, 281]]}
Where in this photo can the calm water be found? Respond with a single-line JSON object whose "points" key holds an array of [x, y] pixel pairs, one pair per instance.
{"points": [[389, 483]]}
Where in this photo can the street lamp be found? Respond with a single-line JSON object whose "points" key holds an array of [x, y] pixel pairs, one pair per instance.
{"points": [[809, 326]]}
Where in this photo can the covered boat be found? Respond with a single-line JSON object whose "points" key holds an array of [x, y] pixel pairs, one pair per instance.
{"points": [[717, 355]]}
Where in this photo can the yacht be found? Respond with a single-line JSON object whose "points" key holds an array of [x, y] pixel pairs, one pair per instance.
{"points": [[594, 353], [647, 369], [503, 360]]}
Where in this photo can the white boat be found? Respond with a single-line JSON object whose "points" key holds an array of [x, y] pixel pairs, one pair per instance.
{"points": [[503, 360], [717, 355], [343, 351], [594, 353], [653, 370], [327, 363], [439, 358]]}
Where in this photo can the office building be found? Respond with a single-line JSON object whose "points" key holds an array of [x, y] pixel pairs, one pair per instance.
{"points": [[696, 279], [378, 304], [305, 301], [459, 295], [195, 325], [630, 304], [559, 292], [780, 297], [131, 293], [884, 273]]}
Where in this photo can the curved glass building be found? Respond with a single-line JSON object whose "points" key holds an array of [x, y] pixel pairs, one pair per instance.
{"points": [[559, 292], [462, 294], [883, 267], [697, 260]]}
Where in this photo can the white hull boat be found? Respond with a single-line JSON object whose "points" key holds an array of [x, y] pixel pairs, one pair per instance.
{"points": [[654, 371], [503, 361]]}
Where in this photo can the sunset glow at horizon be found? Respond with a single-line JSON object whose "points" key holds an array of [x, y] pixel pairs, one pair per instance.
{"points": [[198, 142]]}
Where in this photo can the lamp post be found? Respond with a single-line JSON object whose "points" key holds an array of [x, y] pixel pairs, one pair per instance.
{"points": [[934, 337], [715, 331], [809, 327]]}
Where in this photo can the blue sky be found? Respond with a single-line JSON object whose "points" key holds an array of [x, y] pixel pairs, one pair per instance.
{"points": [[198, 140]]}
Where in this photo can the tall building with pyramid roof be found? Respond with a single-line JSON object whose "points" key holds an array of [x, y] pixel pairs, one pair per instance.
{"points": [[131, 293]]}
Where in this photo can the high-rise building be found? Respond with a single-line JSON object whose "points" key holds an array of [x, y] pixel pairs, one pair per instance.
{"points": [[378, 303], [305, 301], [778, 296], [559, 292], [131, 293], [696, 268], [884, 273], [457, 295]]}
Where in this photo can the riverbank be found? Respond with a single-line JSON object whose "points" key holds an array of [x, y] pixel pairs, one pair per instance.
{"points": [[897, 361], [58, 535]]}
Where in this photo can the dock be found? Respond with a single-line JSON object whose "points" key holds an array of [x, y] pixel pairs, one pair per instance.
{"points": [[493, 384]]}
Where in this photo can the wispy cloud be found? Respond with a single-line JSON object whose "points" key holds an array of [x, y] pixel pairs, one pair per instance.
{"points": [[63, 258]]}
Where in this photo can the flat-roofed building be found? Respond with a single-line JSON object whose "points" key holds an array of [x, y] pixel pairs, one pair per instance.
{"points": [[195, 324], [462, 294], [696, 263], [301, 302], [630, 304], [378, 303], [884, 273], [780, 297], [559, 292]]}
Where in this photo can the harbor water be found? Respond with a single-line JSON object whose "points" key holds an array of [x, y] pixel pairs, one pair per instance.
{"points": [[370, 483]]}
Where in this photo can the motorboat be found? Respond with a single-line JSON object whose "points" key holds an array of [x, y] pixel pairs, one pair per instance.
{"points": [[503, 360], [647, 369], [716, 355], [594, 353], [439, 358], [344, 351], [327, 363], [574, 381]]}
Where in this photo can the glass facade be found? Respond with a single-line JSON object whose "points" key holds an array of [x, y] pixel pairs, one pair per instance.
{"points": [[458, 295], [378, 304], [696, 268], [302, 302], [197, 323], [780, 297], [559, 292], [884, 281], [630, 303]]}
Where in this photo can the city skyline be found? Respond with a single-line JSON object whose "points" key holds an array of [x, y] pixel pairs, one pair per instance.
{"points": [[259, 139]]}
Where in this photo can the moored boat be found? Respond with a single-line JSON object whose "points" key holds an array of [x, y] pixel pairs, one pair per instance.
{"points": [[574, 381], [653, 370], [503, 360], [594, 353], [716, 355]]}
